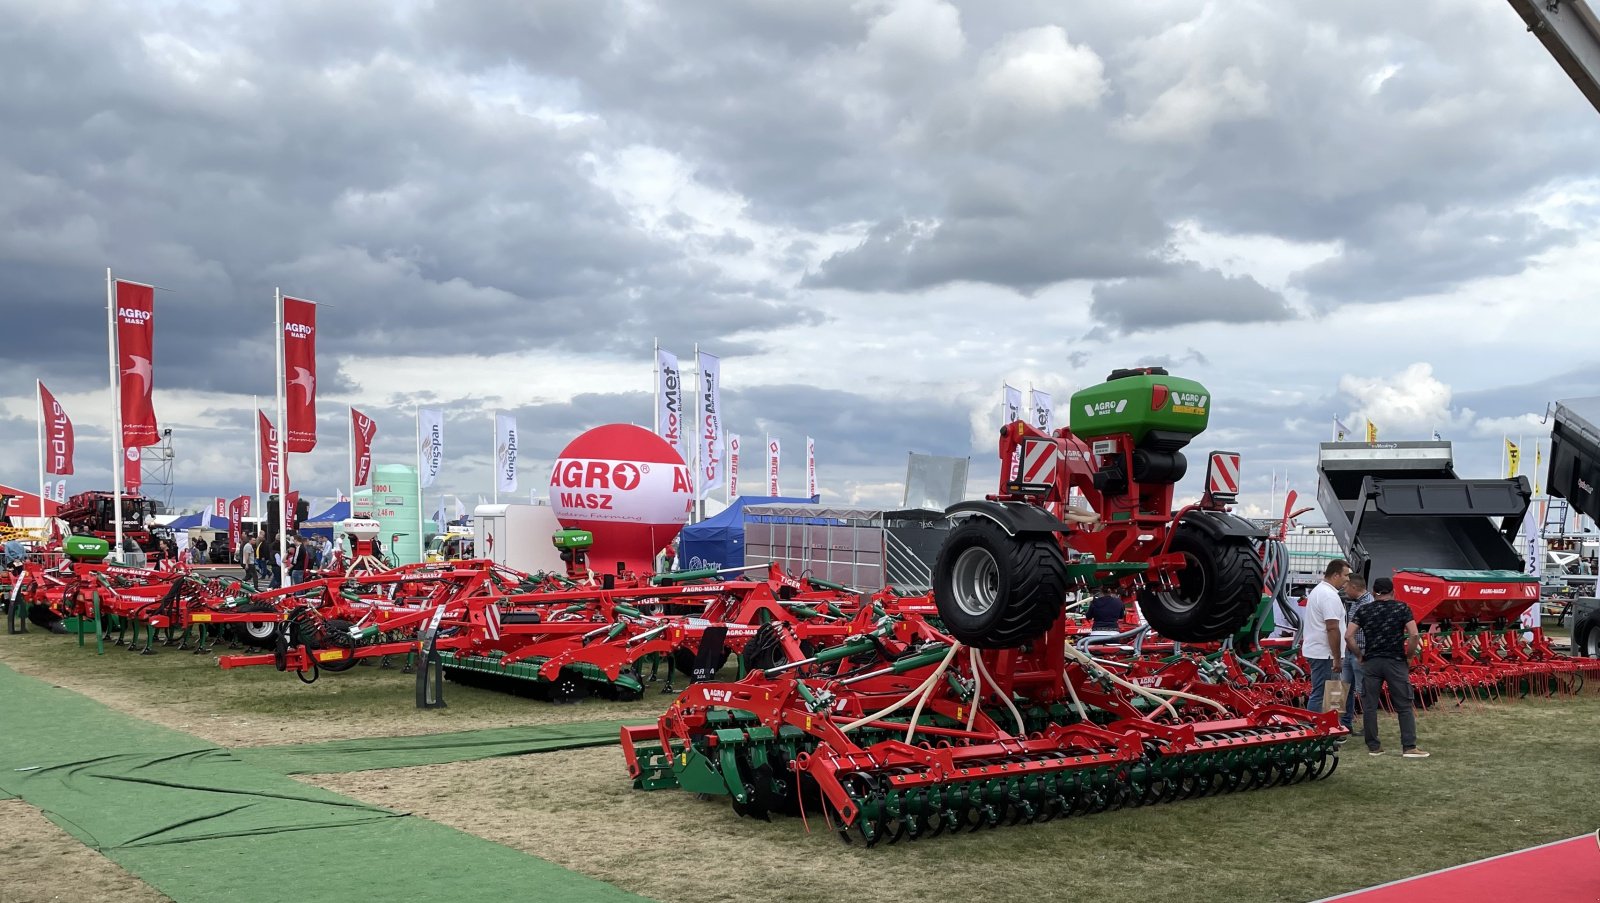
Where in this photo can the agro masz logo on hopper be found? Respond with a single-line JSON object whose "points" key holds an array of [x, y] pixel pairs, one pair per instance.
{"points": [[1102, 408], [1189, 402]]}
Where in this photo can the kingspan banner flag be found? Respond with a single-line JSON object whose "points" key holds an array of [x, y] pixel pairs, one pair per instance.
{"points": [[713, 471], [669, 402], [430, 444], [505, 452]]}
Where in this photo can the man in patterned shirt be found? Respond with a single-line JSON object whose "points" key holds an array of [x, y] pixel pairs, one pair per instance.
{"points": [[1391, 639]]}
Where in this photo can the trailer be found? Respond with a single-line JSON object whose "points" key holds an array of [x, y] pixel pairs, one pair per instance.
{"points": [[517, 537], [1574, 475]]}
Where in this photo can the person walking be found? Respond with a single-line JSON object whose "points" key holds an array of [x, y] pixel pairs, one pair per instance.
{"points": [[1391, 638], [1356, 595], [297, 561], [247, 560], [1322, 627]]}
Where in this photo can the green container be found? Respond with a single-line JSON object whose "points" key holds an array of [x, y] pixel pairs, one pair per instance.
{"points": [[1140, 403], [86, 548], [572, 539]]}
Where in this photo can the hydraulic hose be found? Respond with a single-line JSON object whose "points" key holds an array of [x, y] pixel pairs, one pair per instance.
{"points": [[921, 688], [1275, 567]]}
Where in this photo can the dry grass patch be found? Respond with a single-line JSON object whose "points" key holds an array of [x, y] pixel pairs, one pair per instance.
{"points": [[40, 863]]}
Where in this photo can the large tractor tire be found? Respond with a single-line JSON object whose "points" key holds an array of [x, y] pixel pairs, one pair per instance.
{"points": [[996, 591], [1586, 638], [261, 635], [1215, 593]]}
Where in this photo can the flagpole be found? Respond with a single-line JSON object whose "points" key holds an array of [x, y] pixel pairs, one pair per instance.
{"points": [[255, 408], [420, 496], [655, 388], [116, 411], [494, 460], [351, 460], [38, 387], [282, 444]]}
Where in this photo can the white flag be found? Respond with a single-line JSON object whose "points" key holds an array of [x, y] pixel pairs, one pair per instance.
{"points": [[430, 444], [712, 471], [772, 467], [669, 402], [461, 510], [1011, 403], [1042, 413], [811, 468], [505, 452], [733, 466], [1533, 529], [61, 490]]}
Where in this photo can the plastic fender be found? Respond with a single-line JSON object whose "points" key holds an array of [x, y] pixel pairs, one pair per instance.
{"points": [[1218, 525], [1013, 517]]}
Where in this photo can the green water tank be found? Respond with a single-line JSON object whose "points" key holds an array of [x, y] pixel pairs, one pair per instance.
{"points": [[85, 548], [1138, 402]]}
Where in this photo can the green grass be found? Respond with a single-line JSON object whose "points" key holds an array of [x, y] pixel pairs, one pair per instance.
{"points": [[1502, 778]]}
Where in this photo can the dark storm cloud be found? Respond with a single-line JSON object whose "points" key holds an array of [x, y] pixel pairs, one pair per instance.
{"points": [[1185, 294]]}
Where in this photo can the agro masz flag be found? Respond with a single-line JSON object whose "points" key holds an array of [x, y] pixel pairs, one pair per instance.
{"points": [[300, 374], [135, 319]]}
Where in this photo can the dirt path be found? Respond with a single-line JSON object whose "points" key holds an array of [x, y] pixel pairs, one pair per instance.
{"points": [[40, 863], [259, 706]]}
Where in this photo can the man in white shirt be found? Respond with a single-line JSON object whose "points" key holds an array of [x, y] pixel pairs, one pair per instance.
{"points": [[1322, 628]]}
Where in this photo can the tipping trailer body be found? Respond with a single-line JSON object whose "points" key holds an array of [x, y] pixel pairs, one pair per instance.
{"points": [[1398, 508]]}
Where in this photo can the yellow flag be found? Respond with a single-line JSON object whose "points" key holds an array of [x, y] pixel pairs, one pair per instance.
{"points": [[1372, 432], [1513, 459], [1538, 464]]}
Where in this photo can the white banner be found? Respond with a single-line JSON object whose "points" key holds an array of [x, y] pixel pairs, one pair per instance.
{"points": [[733, 466], [1043, 414], [1011, 405], [61, 490], [1533, 529], [712, 470], [811, 468], [505, 452], [669, 402], [430, 444], [772, 467]]}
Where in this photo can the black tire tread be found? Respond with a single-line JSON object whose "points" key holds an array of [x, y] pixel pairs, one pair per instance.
{"points": [[1039, 583], [1234, 593]]}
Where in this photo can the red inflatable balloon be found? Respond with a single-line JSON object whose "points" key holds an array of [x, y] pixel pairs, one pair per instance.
{"points": [[628, 487]]}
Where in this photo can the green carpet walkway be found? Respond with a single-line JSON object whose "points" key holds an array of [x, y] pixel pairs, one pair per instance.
{"points": [[371, 753], [201, 825]]}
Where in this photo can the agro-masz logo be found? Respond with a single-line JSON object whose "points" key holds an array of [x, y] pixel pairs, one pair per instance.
{"points": [[1189, 402], [1102, 408]]}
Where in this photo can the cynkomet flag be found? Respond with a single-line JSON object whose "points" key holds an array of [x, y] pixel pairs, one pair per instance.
{"points": [[363, 430], [811, 468], [773, 450], [135, 370], [300, 374], [58, 438], [669, 401], [430, 439], [267, 439], [1043, 409], [712, 471], [505, 452], [733, 465], [1011, 400]]}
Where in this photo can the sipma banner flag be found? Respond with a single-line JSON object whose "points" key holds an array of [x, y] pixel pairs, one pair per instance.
{"points": [[267, 441], [58, 436]]}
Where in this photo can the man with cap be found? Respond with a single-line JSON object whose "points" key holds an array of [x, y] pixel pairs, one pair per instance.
{"points": [[1390, 639]]}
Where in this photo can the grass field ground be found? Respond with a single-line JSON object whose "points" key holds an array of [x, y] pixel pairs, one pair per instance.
{"points": [[1502, 777]]}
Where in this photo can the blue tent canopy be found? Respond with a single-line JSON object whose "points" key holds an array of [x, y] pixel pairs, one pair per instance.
{"points": [[719, 540], [191, 521], [323, 524]]}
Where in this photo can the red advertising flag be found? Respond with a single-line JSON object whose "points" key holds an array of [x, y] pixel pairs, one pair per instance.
{"points": [[362, 431], [58, 439], [219, 508], [135, 352], [238, 510], [290, 509], [132, 477], [267, 436], [300, 373]]}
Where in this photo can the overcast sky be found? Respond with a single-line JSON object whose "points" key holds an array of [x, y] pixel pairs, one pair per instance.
{"points": [[875, 211]]}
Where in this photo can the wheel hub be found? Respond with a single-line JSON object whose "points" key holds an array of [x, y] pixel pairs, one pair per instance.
{"points": [[975, 581]]}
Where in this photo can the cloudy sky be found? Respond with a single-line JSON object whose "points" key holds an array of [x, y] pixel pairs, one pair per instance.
{"points": [[875, 211]]}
